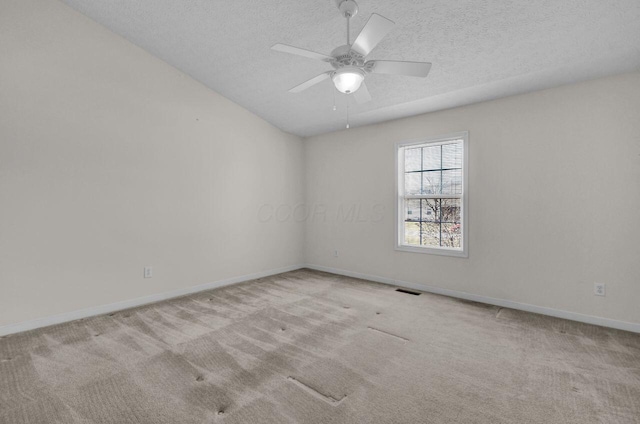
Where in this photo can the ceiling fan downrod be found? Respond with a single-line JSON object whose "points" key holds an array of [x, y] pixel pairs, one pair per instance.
{"points": [[348, 9]]}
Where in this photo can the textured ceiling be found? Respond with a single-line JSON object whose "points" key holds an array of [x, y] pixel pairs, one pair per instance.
{"points": [[480, 50]]}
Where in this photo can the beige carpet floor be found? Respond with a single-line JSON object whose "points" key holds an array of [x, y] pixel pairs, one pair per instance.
{"points": [[310, 347]]}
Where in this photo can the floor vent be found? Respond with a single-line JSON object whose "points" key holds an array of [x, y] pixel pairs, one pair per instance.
{"points": [[408, 292]]}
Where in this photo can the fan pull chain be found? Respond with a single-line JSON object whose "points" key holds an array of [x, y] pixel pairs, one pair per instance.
{"points": [[348, 113], [334, 100]]}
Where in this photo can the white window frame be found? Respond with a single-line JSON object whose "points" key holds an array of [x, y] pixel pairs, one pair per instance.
{"points": [[401, 198]]}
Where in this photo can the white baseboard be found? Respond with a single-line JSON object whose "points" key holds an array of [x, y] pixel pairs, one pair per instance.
{"points": [[573, 316], [126, 304]]}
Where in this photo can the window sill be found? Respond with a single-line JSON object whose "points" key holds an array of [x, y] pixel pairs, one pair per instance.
{"points": [[433, 251]]}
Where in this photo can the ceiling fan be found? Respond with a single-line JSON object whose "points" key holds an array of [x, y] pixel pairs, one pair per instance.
{"points": [[349, 60]]}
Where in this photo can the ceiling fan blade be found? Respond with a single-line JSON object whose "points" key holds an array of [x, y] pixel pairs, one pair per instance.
{"points": [[362, 95], [301, 52], [310, 83], [394, 67], [376, 28]]}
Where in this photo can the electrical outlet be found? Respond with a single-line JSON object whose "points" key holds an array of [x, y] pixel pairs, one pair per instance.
{"points": [[148, 272], [599, 289], [335, 253]]}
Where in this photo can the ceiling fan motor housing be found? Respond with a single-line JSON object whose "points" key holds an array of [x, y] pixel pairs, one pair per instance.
{"points": [[344, 56]]}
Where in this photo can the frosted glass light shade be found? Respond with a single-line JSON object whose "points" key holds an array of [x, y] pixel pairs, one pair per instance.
{"points": [[348, 80]]}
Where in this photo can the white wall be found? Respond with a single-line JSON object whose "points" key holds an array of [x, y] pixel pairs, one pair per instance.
{"points": [[554, 199], [111, 160]]}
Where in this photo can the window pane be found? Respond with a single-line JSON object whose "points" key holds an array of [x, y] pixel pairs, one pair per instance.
{"points": [[412, 210], [429, 214], [450, 210], [412, 183], [431, 157], [452, 155], [430, 234], [453, 240], [412, 159], [412, 233], [452, 181], [431, 210], [431, 182], [451, 235]]}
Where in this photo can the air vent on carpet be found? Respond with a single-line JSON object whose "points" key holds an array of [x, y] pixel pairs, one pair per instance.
{"points": [[408, 292]]}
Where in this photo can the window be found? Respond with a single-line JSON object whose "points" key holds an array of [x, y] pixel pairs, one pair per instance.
{"points": [[432, 207]]}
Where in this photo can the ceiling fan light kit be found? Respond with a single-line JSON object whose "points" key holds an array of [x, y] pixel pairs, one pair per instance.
{"points": [[348, 80], [349, 60]]}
